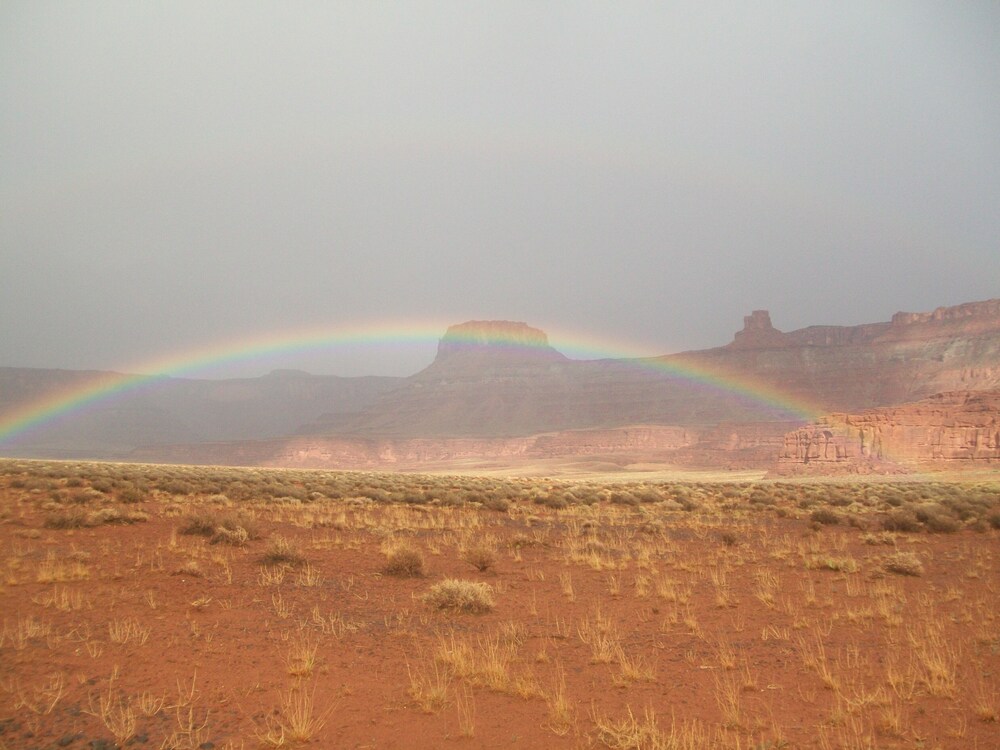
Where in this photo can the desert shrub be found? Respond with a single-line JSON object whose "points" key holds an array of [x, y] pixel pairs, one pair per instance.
{"points": [[201, 523], [281, 550], [837, 564], [404, 561], [937, 517], [114, 516], [556, 501], [235, 529], [883, 537], [102, 485], [377, 495], [482, 556], [824, 516], [939, 523], [85, 496], [900, 520], [729, 538], [623, 498], [586, 495], [499, 504], [131, 493], [177, 487], [654, 526], [904, 564], [285, 491], [994, 519], [73, 518], [235, 537], [687, 504], [460, 596]]}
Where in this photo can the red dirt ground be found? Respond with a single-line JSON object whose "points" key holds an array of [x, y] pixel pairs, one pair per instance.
{"points": [[735, 627]]}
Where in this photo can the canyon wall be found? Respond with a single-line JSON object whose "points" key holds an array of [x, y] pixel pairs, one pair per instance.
{"points": [[956, 430]]}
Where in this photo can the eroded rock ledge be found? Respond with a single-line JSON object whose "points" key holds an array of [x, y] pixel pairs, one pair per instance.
{"points": [[959, 429]]}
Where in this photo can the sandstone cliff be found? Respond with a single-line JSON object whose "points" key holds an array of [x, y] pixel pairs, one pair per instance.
{"points": [[503, 379], [954, 430]]}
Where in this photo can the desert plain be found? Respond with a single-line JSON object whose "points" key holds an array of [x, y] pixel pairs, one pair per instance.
{"points": [[208, 607]]}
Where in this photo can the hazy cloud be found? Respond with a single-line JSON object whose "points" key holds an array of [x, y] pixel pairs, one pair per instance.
{"points": [[179, 173]]}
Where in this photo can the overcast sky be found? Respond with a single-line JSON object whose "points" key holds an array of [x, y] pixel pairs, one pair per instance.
{"points": [[174, 174]]}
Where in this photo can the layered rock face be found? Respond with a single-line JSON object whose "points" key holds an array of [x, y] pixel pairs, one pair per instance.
{"points": [[949, 430], [482, 385]]}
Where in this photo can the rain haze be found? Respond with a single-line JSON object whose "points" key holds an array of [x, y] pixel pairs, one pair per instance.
{"points": [[182, 175]]}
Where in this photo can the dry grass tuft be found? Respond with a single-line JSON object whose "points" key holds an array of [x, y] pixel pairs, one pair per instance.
{"points": [[404, 561], [281, 550], [460, 596], [904, 564], [481, 556]]}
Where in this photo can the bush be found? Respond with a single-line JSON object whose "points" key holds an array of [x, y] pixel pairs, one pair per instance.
{"points": [[481, 556], [460, 596], [904, 564], [70, 519], [499, 504], [113, 515], [942, 524], [201, 523], [405, 561], [131, 494], [281, 550], [900, 520], [178, 487], [824, 516], [228, 528]]}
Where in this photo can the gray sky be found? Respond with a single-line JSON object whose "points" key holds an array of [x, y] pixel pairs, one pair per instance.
{"points": [[173, 174]]}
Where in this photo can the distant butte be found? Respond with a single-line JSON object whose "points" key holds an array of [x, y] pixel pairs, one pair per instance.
{"points": [[491, 333], [758, 332], [496, 341]]}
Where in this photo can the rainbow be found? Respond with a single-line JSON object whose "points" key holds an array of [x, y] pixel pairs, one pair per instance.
{"points": [[103, 387]]}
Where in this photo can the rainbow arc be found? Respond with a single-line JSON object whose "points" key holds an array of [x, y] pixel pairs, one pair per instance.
{"points": [[105, 387]]}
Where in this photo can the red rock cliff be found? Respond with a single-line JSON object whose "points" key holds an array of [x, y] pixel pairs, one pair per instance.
{"points": [[949, 430]]}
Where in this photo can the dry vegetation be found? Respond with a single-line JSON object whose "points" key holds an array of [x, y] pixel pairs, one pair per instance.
{"points": [[186, 607]]}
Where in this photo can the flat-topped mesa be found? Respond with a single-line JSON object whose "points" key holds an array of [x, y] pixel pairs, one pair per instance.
{"points": [[758, 332], [500, 337]]}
